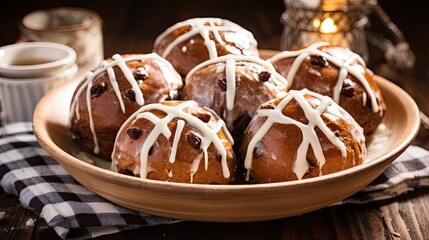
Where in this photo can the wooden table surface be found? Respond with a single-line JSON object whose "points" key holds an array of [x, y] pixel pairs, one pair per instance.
{"points": [[132, 26]]}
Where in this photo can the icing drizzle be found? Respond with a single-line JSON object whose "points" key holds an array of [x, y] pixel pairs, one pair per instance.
{"points": [[346, 67], [165, 67], [198, 27], [208, 134], [231, 61], [309, 135]]}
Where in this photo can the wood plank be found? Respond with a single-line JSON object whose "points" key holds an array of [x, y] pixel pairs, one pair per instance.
{"points": [[405, 217], [18, 222]]}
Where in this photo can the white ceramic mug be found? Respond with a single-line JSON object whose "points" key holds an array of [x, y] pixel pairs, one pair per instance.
{"points": [[78, 28], [27, 71]]}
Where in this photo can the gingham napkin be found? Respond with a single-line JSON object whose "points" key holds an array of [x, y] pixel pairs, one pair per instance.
{"points": [[43, 186], [74, 212]]}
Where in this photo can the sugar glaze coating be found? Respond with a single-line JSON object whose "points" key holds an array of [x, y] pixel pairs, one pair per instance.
{"points": [[107, 83], [318, 112], [181, 118]]}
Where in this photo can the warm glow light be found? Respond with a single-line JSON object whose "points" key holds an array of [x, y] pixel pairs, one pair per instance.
{"points": [[328, 26], [316, 23]]}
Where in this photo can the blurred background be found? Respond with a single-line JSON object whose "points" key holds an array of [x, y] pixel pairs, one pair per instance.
{"points": [[140, 22], [144, 21]]}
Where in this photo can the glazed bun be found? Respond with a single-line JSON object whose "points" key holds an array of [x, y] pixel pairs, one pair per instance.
{"points": [[175, 141], [300, 136], [108, 95], [336, 72], [189, 43], [234, 86]]}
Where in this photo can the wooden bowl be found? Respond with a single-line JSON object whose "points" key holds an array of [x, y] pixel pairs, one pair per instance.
{"points": [[227, 203]]}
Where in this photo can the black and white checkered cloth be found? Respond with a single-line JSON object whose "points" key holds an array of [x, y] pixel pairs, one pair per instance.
{"points": [[42, 185], [74, 212]]}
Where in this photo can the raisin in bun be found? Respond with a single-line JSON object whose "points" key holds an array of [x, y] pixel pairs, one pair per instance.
{"points": [[176, 141], [234, 86], [108, 95], [189, 43], [338, 73], [302, 135]]}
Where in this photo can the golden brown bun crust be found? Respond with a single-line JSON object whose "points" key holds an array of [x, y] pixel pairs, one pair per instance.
{"points": [[159, 165], [106, 110], [196, 50], [274, 156], [322, 79], [205, 87]]}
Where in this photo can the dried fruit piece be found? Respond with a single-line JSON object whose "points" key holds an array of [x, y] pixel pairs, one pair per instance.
{"points": [[222, 84], [337, 133], [318, 60], [264, 76], [130, 94], [134, 132], [348, 91], [194, 140], [126, 172], [205, 117], [98, 89], [140, 73], [267, 106]]}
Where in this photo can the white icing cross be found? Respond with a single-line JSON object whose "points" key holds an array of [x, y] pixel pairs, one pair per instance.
{"points": [[231, 61], [309, 135], [198, 27], [208, 135], [165, 67], [346, 67]]}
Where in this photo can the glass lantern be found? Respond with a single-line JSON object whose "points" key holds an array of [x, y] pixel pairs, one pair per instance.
{"points": [[340, 22]]}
